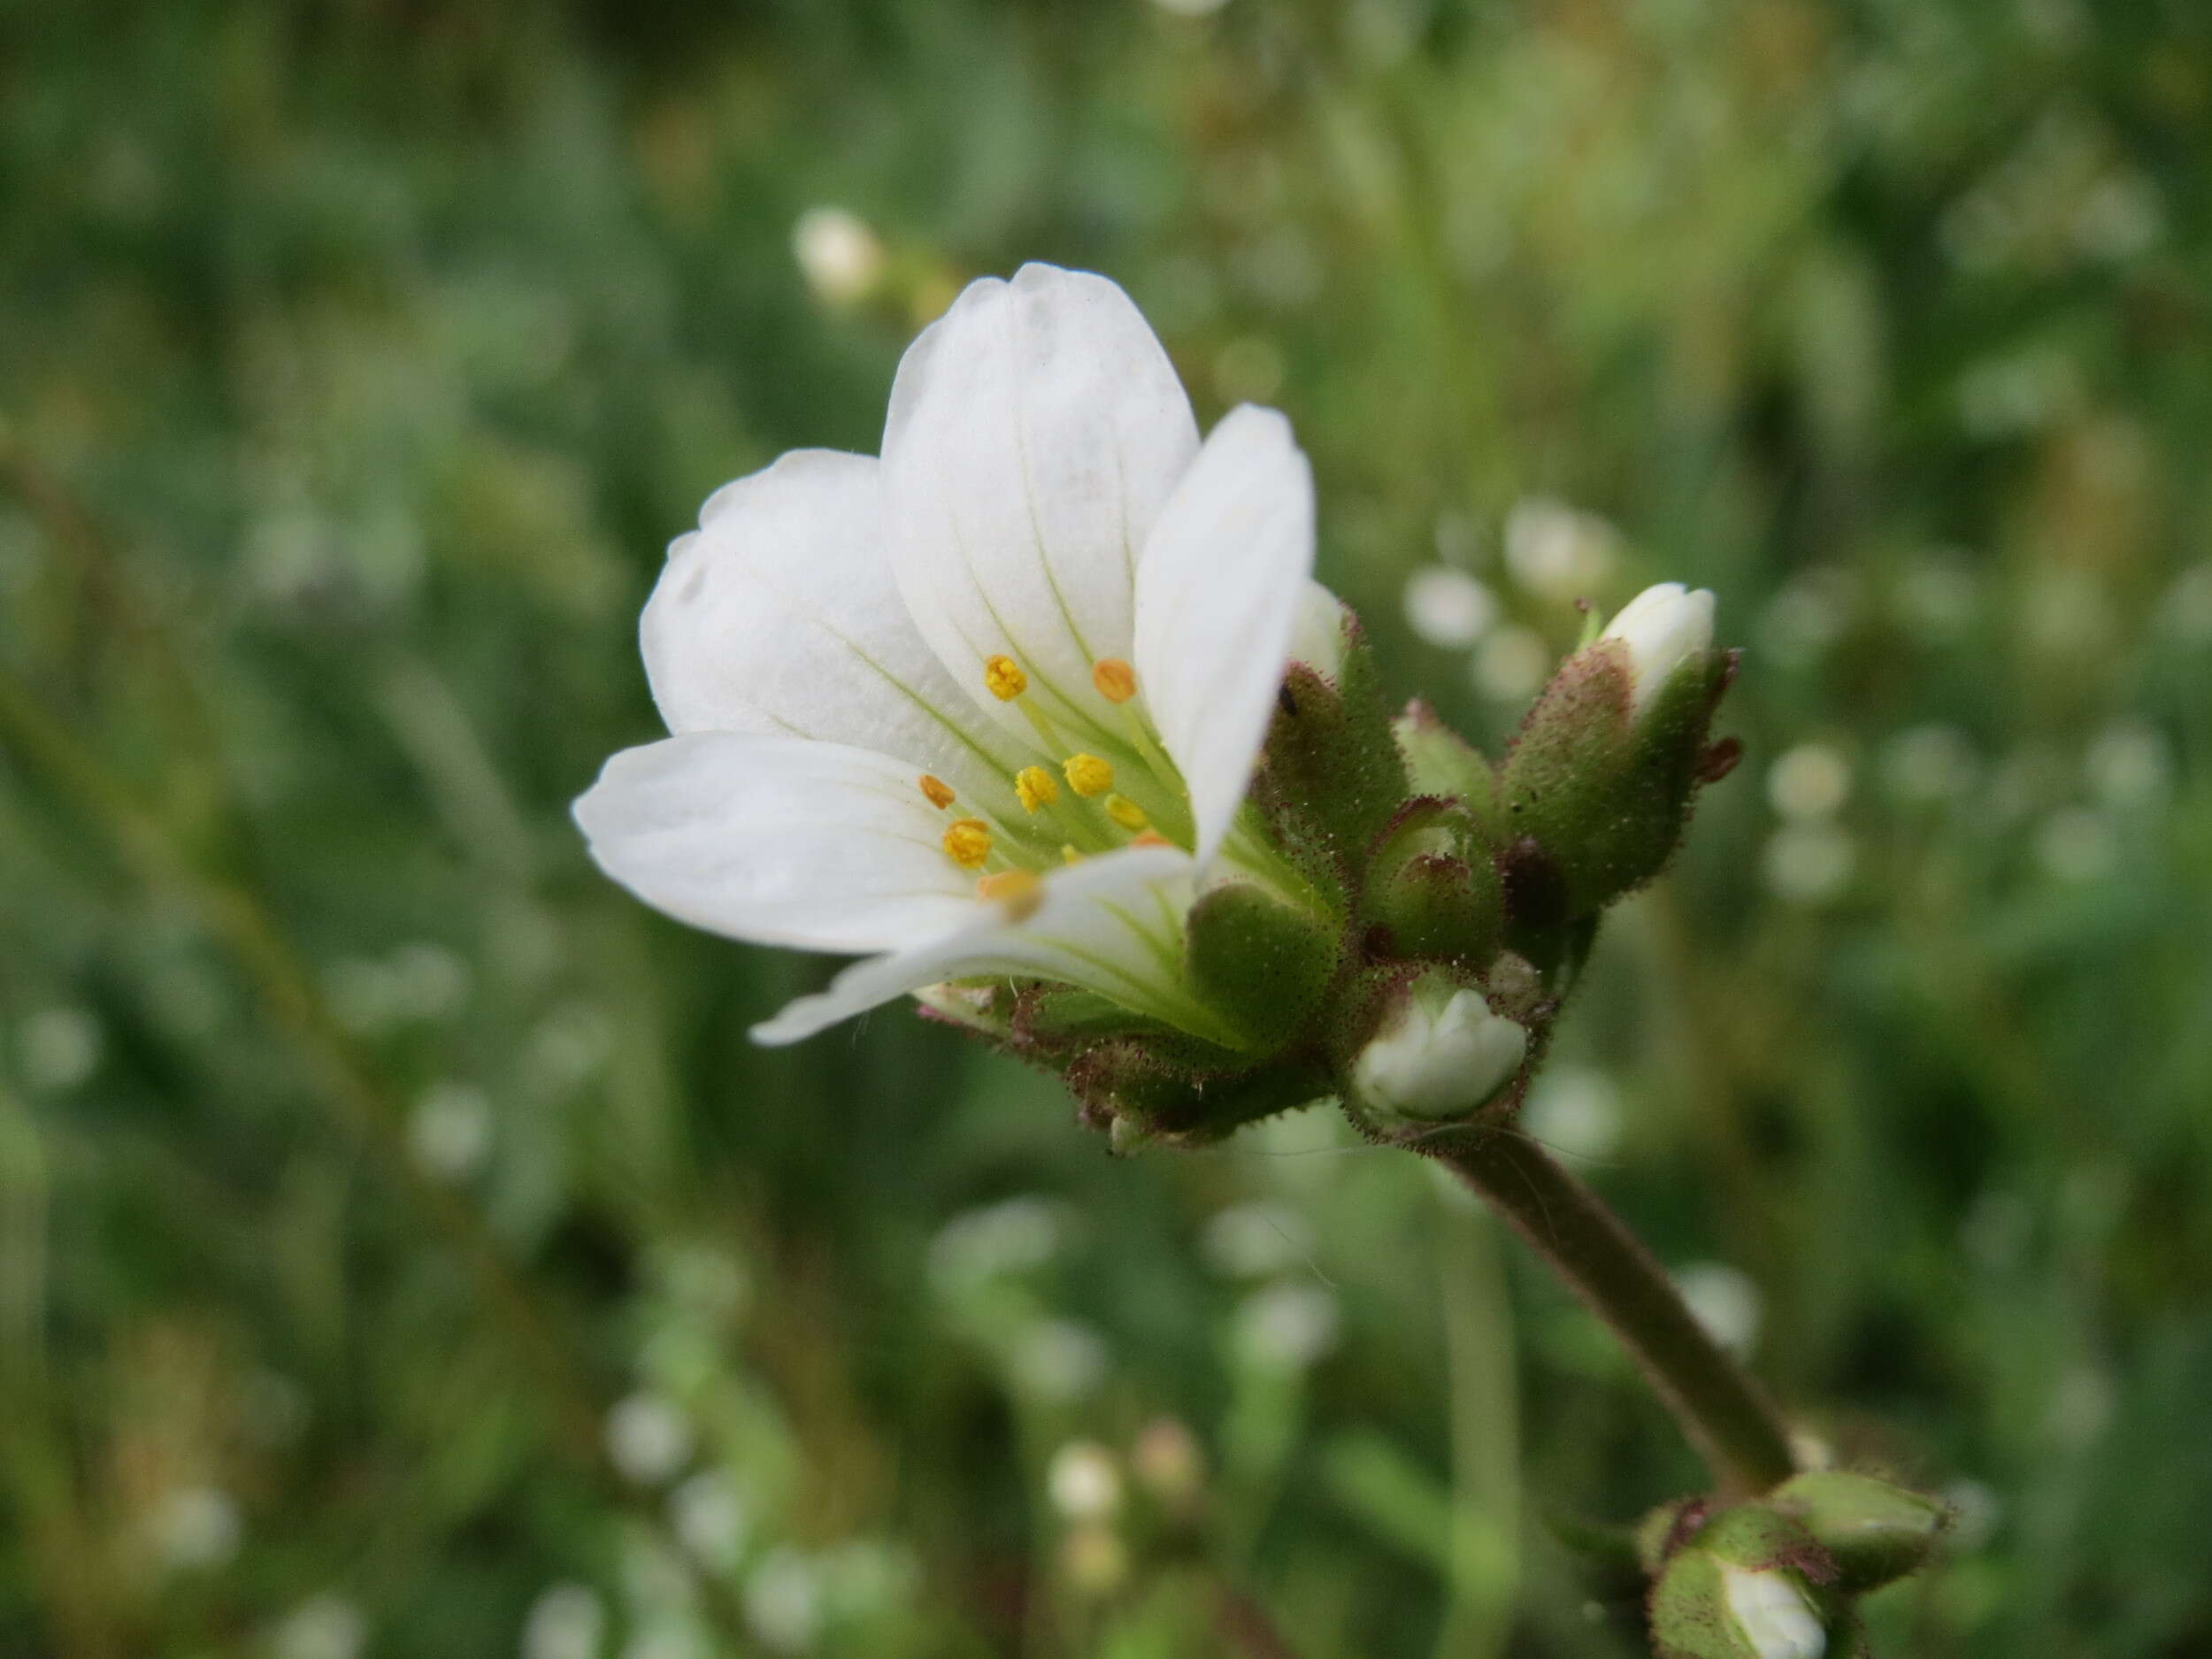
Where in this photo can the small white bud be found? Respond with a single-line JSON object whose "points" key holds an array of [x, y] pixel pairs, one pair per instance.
{"points": [[1773, 1613], [1440, 1055], [1662, 627]]}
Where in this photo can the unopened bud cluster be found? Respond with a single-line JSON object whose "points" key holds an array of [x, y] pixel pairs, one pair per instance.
{"points": [[1777, 1578], [1399, 918]]}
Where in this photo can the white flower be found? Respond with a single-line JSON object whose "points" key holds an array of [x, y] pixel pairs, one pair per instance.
{"points": [[1773, 1613], [837, 253], [1083, 1481], [1440, 1053], [988, 705], [1662, 627]]}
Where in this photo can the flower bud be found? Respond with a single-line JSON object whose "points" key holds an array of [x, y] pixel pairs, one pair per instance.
{"points": [[1663, 627], [1875, 1533], [1437, 1056], [1330, 776], [1705, 1608], [1597, 789], [1748, 1583], [1439, 762], [1432, 885]]}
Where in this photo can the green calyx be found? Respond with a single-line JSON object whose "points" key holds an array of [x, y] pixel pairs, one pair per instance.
{"points": [[1262, 963], [1594, 801], [1875, 1533], [1433, 885], [1330, 776], [1439, 762]]}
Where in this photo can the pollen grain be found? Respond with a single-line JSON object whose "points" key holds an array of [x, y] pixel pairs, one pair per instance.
{"points": [[1003, 678], [968, 842], [1116, 681], [1036, 787], [1087, 775], [1019, 893]]}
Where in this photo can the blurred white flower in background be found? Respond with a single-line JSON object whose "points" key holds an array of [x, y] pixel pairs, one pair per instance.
{"points": [[839, 254], [567, 1621], [324, 1626], [2077, 843], [58, 1048], [1574, 1110], [1976, 1512], [1016, 1235], [1805, 618], [1167, 1461], [1937, 594], [194, 1528], [451, 1129], [1725, 1300], [711, 1517], [1511, 664], [1927, 764], [2186, 610], [1256, 1240], [1558, 553], [647, 1438], [783, 1601], [1811, 780], [1084, 1481], [1059, 1360], [1286, 1326], [1448, 608], [2129, 763], [1809, 863]]}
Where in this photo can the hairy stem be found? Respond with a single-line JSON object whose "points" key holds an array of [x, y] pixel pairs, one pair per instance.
{"points": [[1725, 1413]]}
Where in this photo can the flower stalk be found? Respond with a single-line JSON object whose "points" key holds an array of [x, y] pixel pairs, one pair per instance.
{"points": [[1722, 1409]]}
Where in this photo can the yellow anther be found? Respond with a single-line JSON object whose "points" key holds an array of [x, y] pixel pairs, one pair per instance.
{"points": [[1036, 787], [1116, 681], [937, 789], [1017, 892], [968, 842], [1003, 678], [1087, 775], [1070, 855], [1126, 812], [1152, 838]]}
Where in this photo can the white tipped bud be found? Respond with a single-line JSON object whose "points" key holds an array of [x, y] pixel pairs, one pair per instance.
{"points": [[1440, 1053], [1773, 1613], [1663, 627]]}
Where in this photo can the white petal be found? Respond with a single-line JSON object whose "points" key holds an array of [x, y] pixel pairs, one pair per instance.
{"points": [[1317, 635], [1773, 1613], [779, 615], [1438, 1059], [1664, 627], [1113, 924], [1036, 430], [779, 841], [1224, 579]]}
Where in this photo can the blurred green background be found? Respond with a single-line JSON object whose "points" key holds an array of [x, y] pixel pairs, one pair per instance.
{"points": [[402, 1250]]}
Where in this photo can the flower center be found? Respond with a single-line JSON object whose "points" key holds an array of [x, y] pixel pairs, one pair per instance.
{"points": [[1119, 787]]}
